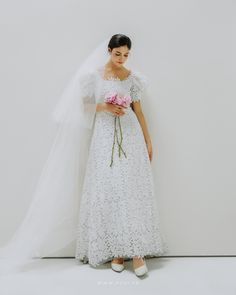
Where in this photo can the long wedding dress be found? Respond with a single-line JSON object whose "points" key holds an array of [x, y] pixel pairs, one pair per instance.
{"points": [[118, 216]]}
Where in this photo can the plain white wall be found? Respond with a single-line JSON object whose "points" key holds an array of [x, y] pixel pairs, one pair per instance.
{"points": [[186, 48]]}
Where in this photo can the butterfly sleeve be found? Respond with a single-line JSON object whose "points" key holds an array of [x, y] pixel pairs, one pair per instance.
{"points": [[139, 85]]}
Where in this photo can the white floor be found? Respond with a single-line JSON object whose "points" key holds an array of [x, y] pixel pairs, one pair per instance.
{"points": [[167, 275]]}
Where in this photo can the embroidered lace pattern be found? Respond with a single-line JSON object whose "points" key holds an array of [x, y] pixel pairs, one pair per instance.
{"points": [[118, 210]]}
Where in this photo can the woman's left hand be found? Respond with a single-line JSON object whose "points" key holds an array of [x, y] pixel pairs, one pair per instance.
{"points": [[149, 148]]}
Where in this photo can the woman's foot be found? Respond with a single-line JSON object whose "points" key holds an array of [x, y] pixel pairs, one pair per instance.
{"points": [[117, 264], [139, 265]]}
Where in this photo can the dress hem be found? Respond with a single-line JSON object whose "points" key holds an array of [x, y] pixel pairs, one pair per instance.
{"points": [[84, 258]]}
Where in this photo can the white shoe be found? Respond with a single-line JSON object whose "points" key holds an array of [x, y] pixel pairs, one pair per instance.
{"points": [[117, 266], [141, 270]]}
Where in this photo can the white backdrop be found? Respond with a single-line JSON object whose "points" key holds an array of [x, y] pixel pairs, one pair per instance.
{"points": [[186, 48]]}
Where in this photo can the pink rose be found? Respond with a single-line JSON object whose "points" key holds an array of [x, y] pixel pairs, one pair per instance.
{"points": [[111, 97]]}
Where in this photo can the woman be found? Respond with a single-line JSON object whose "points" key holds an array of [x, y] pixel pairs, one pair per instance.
{"points": [[96, 188], [117, 218]]}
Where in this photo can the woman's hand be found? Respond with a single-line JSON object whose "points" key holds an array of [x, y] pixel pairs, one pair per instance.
{"points": [[114, 108], [149, 148]]}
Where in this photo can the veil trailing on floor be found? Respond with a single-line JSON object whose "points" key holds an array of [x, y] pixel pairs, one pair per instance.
{"points": [[51, 221]]}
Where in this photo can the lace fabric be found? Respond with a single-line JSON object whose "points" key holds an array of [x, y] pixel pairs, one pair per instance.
{"points": [[118, 214], [134, 84]]}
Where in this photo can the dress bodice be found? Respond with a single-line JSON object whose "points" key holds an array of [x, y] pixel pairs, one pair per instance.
{"points": [[93, 83], [111, 84]]}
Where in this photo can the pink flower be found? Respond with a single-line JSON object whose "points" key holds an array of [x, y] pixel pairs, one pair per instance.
{"points": [[119, 100], [115, 98], [111, 97], [126, 100]]}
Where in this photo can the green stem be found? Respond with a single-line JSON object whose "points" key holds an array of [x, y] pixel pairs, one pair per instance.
{"points": [[116, 137], [121, 137], [117, 140], [113, 142], [120, 148]]}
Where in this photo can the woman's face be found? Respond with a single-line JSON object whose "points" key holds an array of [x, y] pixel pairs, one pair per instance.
{"points": [[119, 55]]}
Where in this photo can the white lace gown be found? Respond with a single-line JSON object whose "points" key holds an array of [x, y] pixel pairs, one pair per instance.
{"points": [[117, 215]]}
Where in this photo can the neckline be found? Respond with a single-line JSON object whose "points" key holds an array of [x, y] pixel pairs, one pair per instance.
{"points": [[112, 78]]}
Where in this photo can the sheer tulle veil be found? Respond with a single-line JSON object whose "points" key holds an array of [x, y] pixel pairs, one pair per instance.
{"points": [[52, 218]]}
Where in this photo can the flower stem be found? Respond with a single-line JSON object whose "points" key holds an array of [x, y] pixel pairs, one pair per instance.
{"points": [[116, 137], [113, 142], [121, 136], [120, 148]]}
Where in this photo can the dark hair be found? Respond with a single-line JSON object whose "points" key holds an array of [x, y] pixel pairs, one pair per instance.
{"points": [[118, 40]]}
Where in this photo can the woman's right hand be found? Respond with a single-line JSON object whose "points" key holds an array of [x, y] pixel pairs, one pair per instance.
{"points": [[114, 108]]}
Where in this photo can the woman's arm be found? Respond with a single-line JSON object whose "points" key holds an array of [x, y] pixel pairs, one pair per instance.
{"points": [[100, 106], [113, 108], [136, 106]]}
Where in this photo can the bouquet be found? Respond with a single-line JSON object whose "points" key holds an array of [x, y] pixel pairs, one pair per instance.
{"points": [[122, 100]]}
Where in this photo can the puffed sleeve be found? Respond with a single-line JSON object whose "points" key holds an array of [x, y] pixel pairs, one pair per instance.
{"points": [[87, 87], [139, 85]]}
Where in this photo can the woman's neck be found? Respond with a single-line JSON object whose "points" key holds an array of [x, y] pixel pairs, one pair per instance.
{"points": [[111, 67]]}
